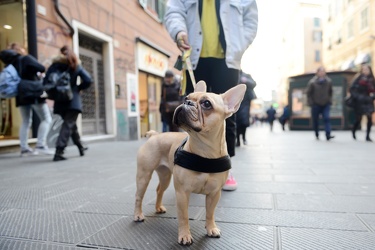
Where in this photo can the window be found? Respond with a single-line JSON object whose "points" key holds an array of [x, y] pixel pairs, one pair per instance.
{"points": [[329, 43], [329, 12], [155, 8], [350, 29], [317, 56], [316, 22], [364, 18], [317, 36], [338, 41]]}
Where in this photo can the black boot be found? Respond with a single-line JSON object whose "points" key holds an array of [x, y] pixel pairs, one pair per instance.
{"points": [[369, 124], [59, 155], [353, 133], [82, 149], [77, 141]]}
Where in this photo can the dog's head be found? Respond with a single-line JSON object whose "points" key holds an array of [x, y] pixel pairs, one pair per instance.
{"points": [[203, 111]]}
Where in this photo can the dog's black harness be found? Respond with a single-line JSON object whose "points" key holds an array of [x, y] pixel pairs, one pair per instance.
{"points": [[200, 164]]}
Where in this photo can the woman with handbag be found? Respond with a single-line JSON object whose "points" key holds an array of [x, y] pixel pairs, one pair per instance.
{"points": [[70, 109], [362, 91], [29, 68]]}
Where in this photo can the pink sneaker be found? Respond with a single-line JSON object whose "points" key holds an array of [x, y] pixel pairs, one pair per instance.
{"points": [[231, 183]]}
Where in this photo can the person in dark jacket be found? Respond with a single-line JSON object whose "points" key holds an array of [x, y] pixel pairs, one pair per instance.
{"points": [[362, 90], [170, 99], [271, 116], [243, 113], [284, 118], [29, 68], [69, 110], [319, 97]]}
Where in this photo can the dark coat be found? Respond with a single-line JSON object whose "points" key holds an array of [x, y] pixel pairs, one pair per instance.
{"points": [[271, 114], [319, 92], [60, 64], [243, 113], [169, 93], [360, 91], [28, 66]]}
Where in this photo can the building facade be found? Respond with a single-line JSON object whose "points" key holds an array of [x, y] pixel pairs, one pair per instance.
{"points": [[301, 45], [349, 34], [124, 46]]}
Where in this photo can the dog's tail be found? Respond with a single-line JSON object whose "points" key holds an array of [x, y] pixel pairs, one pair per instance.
{"points": [[151, 133]]}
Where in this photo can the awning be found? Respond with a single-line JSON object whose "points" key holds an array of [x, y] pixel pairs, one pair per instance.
{"points": [[362, 58], [348, 64]]}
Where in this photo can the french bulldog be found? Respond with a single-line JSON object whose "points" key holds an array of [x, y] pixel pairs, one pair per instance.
{"points": [[202, 116]]}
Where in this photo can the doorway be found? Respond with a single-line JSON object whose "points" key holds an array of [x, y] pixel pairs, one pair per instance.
{"points": [[149, 100], [93, 98]]}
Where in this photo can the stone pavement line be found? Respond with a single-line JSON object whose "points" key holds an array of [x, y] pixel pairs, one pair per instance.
{"points": [[294, 193]]}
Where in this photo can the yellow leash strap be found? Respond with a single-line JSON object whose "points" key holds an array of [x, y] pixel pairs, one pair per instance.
{"points": [[186, 66]]}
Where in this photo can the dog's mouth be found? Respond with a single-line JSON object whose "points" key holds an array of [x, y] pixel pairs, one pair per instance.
{"points": [[186, 117]]}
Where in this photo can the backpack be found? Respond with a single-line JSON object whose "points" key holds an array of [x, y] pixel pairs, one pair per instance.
{"points": [[58, 86], [9, 80]]}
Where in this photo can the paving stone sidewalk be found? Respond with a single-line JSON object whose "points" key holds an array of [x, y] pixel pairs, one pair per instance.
{"points": [[294, 193]]}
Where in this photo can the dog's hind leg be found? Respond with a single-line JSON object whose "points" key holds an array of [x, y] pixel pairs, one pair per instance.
{"points": [[164, 180], [143, 179]]}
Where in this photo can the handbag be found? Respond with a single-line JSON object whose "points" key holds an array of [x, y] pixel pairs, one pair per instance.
{"points": [[30, 88], [349, 101], [58, 86]]}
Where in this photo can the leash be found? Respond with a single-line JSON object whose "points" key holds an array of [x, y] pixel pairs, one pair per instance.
{"points": [[184, 63]]}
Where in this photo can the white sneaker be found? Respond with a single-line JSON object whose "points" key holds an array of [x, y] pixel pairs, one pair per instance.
{"points": [[44, 150], [28, 152], [231, 183]]}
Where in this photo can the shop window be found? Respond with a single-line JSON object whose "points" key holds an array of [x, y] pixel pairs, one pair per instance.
{"points": [[155, 8]]}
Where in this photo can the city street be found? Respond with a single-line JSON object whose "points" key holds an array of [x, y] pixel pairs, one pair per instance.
{"points": [[294, 192]]}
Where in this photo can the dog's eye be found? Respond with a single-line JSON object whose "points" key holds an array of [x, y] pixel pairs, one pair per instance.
{"points": [[206, 104]]}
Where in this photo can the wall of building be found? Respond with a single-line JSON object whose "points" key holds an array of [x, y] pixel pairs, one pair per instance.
{"points": [[342, 51], [119, 23]]}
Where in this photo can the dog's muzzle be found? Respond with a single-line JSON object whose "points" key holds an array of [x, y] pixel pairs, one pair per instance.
{"points": [[187, 114]]}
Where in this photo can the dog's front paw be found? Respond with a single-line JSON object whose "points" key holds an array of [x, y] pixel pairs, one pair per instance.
{"points": [[185, 239], [161, 210], [139, 217], [213, 232]]}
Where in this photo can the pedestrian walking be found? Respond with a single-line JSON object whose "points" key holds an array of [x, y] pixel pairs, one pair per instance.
{"points": [[284, 118], [170, 100], [271, 116], [319, 97], [362, 91], [29, 68], [217, 33], [243, 113], [69, 110]]}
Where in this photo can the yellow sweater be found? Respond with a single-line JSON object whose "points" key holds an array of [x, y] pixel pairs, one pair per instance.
{"points": [[211, 46]]}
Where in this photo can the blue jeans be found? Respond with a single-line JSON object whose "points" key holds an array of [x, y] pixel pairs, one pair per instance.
{"points": [[44, 114], [316, 110]]}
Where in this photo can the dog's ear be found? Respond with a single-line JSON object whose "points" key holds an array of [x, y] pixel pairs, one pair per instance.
{"points": [[233, 98], [200, 87]]}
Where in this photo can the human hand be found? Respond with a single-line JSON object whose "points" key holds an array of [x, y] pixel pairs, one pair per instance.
{"points": [[182, 41]]}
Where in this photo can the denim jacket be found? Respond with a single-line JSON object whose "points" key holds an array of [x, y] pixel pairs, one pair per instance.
{"points": [[238, 17]]}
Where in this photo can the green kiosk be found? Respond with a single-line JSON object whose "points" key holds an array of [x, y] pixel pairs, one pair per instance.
{"points": [[341, 116]]}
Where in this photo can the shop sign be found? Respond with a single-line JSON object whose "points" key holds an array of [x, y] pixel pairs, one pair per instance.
{"points": [[151, 60]]}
